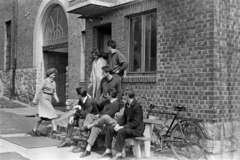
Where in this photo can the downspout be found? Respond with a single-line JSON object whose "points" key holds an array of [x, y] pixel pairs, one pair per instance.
{"points": [[15, 20]]}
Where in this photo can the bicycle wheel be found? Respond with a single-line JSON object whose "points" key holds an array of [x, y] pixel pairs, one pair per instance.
{"points": [[188, 144]]}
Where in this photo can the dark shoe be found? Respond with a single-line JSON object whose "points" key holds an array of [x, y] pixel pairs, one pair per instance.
{"points": [[105, 154], [33, 133], [83, 129], [77, 149], [56, 132], [85, 154], [64, 144]]}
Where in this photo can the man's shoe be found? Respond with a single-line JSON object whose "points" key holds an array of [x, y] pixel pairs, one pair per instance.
{"points": [[83, 128], [33, 133], [56, 132], [117, 157], [105, 154], [85, 154], [64, 144], [77, 149]]}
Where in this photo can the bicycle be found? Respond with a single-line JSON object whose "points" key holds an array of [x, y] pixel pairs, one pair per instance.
{"points": [[186, 137]]}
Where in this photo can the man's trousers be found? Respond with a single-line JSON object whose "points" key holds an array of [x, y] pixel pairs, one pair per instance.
{"points": [[121, 136]]}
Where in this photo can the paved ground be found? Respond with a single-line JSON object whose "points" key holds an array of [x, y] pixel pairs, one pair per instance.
{"points": [[14, 123]]}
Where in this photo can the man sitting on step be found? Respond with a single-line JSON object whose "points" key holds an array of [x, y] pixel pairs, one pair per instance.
{"points": [[87, 106], [110, 111], [129, 126]]}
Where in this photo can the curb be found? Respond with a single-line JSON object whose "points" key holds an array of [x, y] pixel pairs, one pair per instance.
{"points": [[18, 102]]}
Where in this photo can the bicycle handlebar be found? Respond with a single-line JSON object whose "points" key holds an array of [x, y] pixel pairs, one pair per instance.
{"points": [[176, 108]]}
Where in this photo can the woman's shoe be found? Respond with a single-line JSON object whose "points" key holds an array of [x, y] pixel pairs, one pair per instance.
{"points": [[34, 133], [56, 132]]}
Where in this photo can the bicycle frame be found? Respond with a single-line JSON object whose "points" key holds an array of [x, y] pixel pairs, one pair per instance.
{"points": [[177, 134], [171, 125]]}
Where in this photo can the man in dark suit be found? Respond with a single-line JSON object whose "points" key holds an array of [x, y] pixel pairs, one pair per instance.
{"points": [[129, 126], [110, 110], [87, 106]]}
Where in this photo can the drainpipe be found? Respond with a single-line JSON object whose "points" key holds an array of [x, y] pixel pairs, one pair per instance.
{"points": [[15, 19]]}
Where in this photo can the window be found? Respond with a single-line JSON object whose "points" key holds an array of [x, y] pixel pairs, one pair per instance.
{"points": [[143, 43], [56, 30], [8, 45]]}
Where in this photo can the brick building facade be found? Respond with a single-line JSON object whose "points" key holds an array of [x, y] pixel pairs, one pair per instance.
{"points": [[192, 60], [28, 23], [197, 57]]}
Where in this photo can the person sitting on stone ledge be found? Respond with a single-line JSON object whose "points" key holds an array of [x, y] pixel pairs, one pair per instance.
{"points": [[128, 126], [87, 106], [108, 113]]}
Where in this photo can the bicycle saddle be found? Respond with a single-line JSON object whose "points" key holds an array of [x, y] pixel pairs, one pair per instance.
{"points": [[179, 108]]}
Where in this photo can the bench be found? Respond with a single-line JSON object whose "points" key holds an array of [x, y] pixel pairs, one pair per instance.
{"points": [[142, 145]]}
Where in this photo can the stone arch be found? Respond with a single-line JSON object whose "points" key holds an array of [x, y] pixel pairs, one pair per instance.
{"points": [[38, 34]]}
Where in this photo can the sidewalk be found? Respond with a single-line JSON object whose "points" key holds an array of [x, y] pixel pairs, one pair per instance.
{"points": [[23, 110]]}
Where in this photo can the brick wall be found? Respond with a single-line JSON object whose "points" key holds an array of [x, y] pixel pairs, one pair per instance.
{"points": [[227, 60], [27, 12], [75, 61], [225, 142], [197, 64], [185, 53], [6, 15]]}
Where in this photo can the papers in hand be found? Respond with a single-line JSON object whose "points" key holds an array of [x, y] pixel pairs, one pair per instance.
{"points": [[77, 107]]}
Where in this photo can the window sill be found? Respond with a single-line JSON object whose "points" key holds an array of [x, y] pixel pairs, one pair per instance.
{"points": [[140, 79]]}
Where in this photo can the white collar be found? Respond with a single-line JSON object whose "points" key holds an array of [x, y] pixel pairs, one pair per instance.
{"points": [[113, 99], [84, 99], [129, 104]]}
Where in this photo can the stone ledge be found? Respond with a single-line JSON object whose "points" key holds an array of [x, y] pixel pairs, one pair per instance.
{"points": [[140, 79], [225, 156], [222, 146]]}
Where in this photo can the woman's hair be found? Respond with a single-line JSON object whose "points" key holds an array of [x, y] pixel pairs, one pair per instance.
{"points": [[51, 71], [97, 52]]}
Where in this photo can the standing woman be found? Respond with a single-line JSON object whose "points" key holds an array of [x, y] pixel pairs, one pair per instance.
{"points": [[44, 95], [97, 72]]}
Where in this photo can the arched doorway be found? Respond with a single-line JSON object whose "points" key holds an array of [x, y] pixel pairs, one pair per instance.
{"points": [[55, 47], [51, 44]]}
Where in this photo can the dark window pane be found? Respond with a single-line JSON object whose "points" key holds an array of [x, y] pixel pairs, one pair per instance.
{"points": [[150, 42], [135, 44]]}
